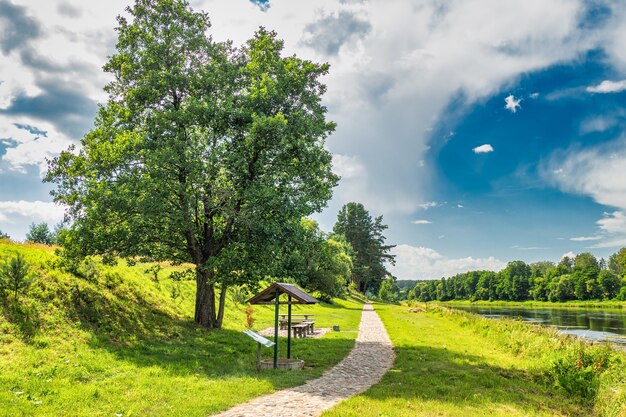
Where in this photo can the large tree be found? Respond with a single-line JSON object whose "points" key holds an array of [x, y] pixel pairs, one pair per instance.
{"points": [[317, 261], [368, 242], [203, 153]]}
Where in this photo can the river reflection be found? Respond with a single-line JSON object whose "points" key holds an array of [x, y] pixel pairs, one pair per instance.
{"points": [[591, 324]]}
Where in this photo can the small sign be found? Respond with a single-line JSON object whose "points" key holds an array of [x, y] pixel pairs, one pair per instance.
{"points": [[258, 338]]}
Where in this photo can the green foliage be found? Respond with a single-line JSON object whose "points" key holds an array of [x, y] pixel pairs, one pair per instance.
{"points": [[368, 242], [240, 294], [41, 233], [578, 371], [617, 262], [581, 278], [609, 284], [15, 276], [317, 262], [388, 291], [203, 153], [185, 274], [4, 235], [154, 272]]}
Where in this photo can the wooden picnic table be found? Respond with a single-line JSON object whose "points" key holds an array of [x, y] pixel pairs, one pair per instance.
{"points": [[296, 316]]}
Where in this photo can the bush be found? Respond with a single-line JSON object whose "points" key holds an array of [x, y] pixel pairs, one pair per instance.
{"points": [[239, 294], [249, 317], [154, 272], [15, 276], [578, 370]]}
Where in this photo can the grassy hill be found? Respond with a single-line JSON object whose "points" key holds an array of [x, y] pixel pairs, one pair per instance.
{"points": [[113, 341]]}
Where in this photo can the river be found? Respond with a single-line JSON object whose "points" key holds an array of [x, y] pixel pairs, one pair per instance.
{"points": [[606, 325]]}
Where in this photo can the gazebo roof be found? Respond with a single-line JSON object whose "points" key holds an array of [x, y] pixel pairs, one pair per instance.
{"points": [[268, 295]]}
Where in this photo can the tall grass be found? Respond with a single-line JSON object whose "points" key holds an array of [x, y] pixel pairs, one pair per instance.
{"points": [[594, 373]]}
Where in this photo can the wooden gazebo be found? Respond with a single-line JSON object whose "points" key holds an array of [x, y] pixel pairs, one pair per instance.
{"points": [[271, 295]]}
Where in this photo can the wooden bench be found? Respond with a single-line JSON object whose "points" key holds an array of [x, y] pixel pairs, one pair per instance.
{"points": [[299, 330], [310, 326]]}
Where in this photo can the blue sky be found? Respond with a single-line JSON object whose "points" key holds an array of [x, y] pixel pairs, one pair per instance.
{"points": [[484, 131]]}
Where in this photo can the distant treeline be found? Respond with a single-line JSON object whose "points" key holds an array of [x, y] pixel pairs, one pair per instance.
{"points": [[579, 278]]}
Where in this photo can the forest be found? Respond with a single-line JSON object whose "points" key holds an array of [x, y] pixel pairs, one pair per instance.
{"points": [[580, 278]]}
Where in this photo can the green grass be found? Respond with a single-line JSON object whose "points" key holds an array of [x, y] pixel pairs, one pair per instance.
{"points": [[114, 342], [457, 364]]}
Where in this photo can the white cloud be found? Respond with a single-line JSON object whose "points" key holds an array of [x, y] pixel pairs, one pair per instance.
{"points": [[421, 222], [486, 148], [425, 263], [529, 247], [608, 86], [512, 104], [459, 205], [534, 95], [610, 243], [598, 124], [348, 166], [569, 254], [599, 173], [428, 205], [613, 223], [36, 211], [30, 149], [585, 238]]}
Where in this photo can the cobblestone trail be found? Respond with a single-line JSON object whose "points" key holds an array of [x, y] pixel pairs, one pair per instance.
{"points": [[371, 357]]}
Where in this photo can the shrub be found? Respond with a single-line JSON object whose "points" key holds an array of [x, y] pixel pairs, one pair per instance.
{"points": [[249, 317], [15, 276], [578, 370], [240, 294], [154, 271]]}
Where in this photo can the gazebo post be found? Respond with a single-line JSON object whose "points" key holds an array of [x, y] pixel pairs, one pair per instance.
{"points": [[276, 330], [289, 328]]}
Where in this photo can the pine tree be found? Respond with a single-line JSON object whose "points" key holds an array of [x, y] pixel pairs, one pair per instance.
{"points": [[367, 239]]}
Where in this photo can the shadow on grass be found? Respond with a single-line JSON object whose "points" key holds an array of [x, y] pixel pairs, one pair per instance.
{"points": [[189, 350], [460, 380]]}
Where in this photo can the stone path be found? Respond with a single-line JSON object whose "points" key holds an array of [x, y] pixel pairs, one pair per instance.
{"points": [[371, 357]]}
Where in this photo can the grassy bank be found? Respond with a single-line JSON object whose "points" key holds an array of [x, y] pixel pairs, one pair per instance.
{"points": [[114, 341], [451, 363], [543, 304]]}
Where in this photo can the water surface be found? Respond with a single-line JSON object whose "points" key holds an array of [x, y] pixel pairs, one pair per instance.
{"points": [[607, 325]]}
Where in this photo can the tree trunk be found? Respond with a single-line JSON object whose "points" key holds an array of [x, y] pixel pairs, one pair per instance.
{"points": [[205, 300], [220, 313]]}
